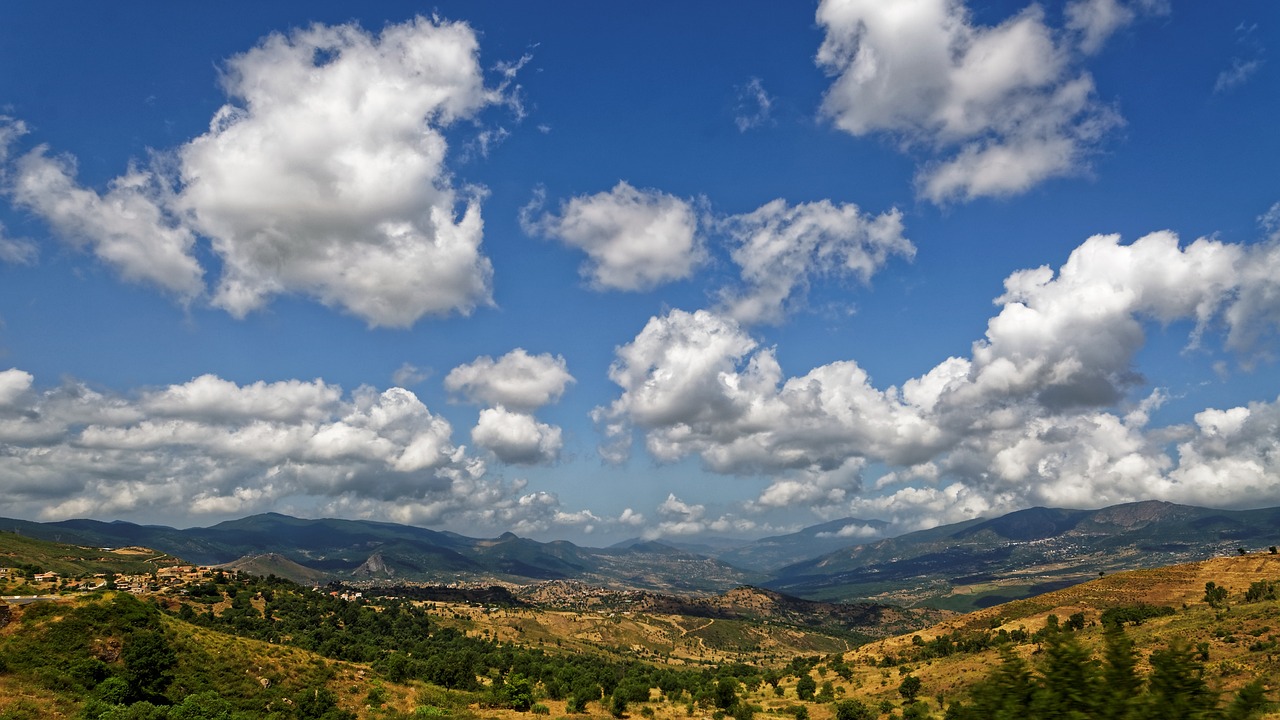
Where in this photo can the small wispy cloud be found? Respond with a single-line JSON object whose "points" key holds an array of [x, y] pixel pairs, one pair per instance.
{"points": [[755, 106], [408, 375], [1236, 75], [1243, 66]]}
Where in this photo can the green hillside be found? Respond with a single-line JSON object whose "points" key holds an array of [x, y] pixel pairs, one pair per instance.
{"points": [[233, 647], [25, 553]]}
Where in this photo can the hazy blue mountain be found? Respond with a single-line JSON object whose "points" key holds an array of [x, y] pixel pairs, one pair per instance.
{"points": [[354, 550], [771, 553]]}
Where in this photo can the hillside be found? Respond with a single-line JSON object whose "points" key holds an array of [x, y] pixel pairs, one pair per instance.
{"points": [[73, 560], [278, 565], [80, 658], [979, 563], [1240, 638], [268, 648]]}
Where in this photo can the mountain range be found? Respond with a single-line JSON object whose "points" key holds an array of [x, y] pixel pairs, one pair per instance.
{"points": [[962, 566]]}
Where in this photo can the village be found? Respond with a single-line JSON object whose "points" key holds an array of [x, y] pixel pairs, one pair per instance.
{"points": [[17, 583]]}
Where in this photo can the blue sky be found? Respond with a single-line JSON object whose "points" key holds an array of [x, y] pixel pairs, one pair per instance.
{"points": [[593, 271]]}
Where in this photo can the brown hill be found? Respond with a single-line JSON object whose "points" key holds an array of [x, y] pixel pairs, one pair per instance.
{"points": [[1240, 639], [278, 565]]}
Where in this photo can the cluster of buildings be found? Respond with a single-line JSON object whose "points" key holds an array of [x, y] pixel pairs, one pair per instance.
{"points": [[155, 581]]}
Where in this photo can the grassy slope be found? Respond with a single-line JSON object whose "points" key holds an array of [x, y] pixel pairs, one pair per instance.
{"points": [[1229, 632], [1241, 638], [260, 676], [72, 560]]}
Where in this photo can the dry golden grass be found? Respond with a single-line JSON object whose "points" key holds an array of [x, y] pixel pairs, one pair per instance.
{"points": [[1229, 632], [673, 639]]}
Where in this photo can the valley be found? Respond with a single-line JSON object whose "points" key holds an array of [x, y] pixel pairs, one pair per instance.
{"points": [[239, 640]]}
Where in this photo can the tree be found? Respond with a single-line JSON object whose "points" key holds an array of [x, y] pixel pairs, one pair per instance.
{"points": [[909, 688], [726, 693], [113, 691], [577, 703], [1005, 694], [141, 710], [201, 706], [1178, 690], [1120, 682], [1249, 702], [806, 687], [517, 693], [853, 710], [1260, 590], [319, 704], [1214, 594], [1069, 682], [148, 663], [916, 711], [826, 693]]}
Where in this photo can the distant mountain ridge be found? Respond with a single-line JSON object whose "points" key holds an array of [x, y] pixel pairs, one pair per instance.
{"points": [[1027, 552], [359, 550], [960, 566], [775, 552]]}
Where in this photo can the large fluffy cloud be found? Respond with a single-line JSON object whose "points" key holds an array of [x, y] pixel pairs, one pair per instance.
{"points": [[698, 383], [1042, 412], [634, 239], [779, 247], [1002, 108], [210, 446], [324, 175]]}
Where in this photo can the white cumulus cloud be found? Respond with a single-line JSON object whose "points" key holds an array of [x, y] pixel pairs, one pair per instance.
{"points": [[1000, 108], [515, 385], [129, 227], [635, 239], [1041, 412], [779, 247], [1097, 20], [517, 380], [324, 175], [14, 384], [517, 438], [211, 446]]}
